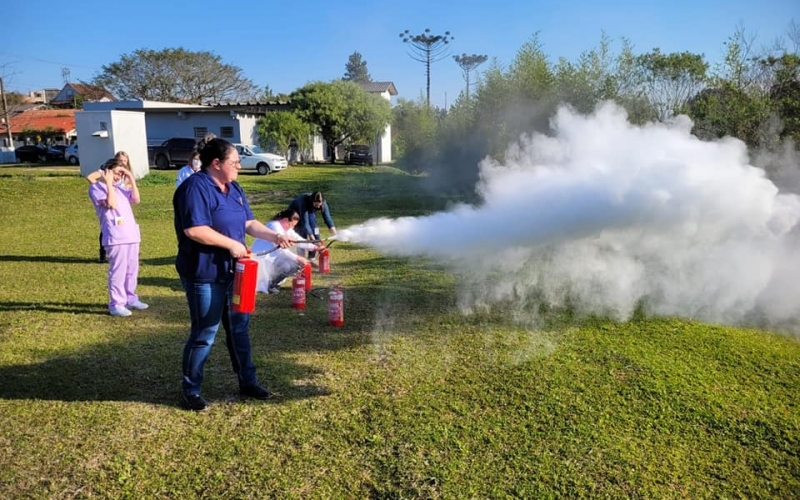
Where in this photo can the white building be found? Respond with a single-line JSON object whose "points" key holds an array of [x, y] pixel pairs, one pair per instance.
{"points": [[382, 147], [234, 122]]}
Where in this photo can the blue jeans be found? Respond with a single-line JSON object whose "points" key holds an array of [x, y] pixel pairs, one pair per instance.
{"points": [[312, 221], [209, 305]]}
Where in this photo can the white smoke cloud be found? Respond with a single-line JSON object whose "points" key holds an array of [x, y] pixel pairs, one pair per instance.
{"points": [[603, 215]]}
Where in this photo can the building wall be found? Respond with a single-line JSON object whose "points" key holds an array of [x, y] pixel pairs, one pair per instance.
{"points": [[248, 128], [162, 126], [101, 134], [384, 146]]}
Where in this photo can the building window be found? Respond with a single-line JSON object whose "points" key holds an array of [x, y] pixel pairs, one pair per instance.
{"points": [[226, 132], [200, 132]]}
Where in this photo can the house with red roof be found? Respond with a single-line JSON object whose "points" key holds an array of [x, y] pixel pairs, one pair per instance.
{"points": [[52, 126]]}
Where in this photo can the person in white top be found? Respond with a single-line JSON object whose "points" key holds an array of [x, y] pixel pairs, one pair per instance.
{"points": [[191, 167], [278, 265]]}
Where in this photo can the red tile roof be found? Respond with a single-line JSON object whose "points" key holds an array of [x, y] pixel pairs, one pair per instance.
{"points": [[42, 119]]}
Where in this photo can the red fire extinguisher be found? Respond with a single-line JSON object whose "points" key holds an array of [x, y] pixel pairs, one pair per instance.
{"points": [[245, 276], [299, 292], [307, 275], [324, 261], [336, 306]]}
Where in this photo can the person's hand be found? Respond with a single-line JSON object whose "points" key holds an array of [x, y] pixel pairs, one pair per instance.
{"points": [[127, 176], [304, 262], [283, 241], [108, 176], [238, 250], [320, 246]]}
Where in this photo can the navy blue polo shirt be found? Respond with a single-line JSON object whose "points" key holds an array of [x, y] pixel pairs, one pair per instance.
{"points": [[198, 201]]}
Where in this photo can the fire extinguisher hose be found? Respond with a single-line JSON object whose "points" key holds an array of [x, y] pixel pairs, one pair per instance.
{"points": [[327, 245], [265, 252]]}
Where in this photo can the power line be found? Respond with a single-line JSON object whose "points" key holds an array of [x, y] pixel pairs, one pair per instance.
{"points": [[47, 61]]}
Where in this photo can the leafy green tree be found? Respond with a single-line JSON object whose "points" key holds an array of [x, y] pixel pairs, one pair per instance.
{"points": [[356, 69], [629, 87], [175, 75], [784, 94], [14, 99], [414, 129], [524, 99], [342, 112], [279, 130], [734, 103], [427, 49], [726, 110], [589, 80], [672, 79]]}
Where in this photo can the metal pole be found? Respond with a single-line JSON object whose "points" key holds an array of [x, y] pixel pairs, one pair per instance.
{"points": [[6, 115]]}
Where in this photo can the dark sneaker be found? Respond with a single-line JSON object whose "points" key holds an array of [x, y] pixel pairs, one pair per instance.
{"points": [[194, 402], [255, 392]]}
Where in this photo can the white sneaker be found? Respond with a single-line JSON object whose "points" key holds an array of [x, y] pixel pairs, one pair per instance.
{"points": [[138, 305], [120, 311]]}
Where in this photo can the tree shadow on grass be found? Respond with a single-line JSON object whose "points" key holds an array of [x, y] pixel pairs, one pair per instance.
{"points": [[159, 261], [140, 362], [52, 259], [173, 284], [144, 370], [143, 365], [56, 307]]}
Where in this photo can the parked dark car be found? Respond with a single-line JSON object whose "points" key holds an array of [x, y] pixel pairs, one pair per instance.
{"points": [[57, 151], [172, 152], [359, 154], [35, 154]]}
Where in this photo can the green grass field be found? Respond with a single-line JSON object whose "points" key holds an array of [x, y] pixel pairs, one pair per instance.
{"points": [[410, 399]]}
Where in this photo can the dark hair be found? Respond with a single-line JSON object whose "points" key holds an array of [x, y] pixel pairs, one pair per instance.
{"points": [[112, 163], [286, 214], [213, 149], [316, 197]]}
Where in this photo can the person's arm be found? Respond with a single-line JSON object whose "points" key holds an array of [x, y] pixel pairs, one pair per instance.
{"points": [[98, 195], [326, 215], [205, 235], [135, 198], [111, 197], [180, 177], [94, 176], [302, 243], [257, 229]]}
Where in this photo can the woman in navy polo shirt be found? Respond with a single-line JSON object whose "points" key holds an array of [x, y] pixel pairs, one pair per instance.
{"points": [[212, 216]]}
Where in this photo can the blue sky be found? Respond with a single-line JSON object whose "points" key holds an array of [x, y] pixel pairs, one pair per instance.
{"points": [[287, 44]]}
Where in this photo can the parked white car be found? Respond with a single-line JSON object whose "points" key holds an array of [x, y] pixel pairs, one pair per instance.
{"points": [[255, 158], [71, 154]]}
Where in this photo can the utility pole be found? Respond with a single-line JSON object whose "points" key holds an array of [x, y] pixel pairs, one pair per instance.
{"points": [[6, 115]]}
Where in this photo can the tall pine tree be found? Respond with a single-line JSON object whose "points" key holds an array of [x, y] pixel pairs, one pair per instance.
{"points": [[356, 69]]}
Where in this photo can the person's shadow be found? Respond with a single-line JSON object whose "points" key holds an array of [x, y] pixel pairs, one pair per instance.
{"points": [[145, 365]]}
